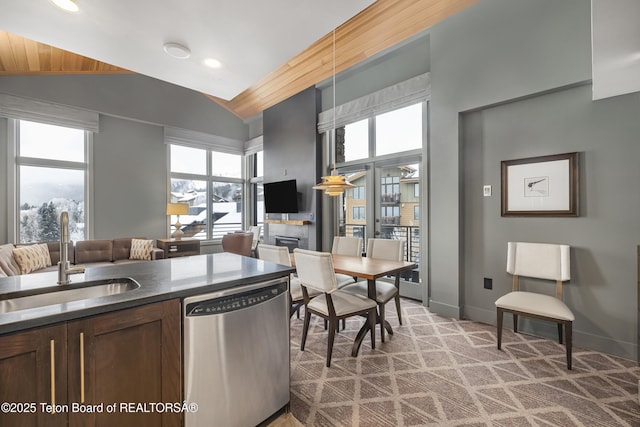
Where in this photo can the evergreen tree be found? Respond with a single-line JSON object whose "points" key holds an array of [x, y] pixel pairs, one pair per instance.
{"points": [[29, 231], [48, 222]]}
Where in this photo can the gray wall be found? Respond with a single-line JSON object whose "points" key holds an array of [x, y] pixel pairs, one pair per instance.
{"points": [[602, 291], [292, 150], [131, 96], [130, 180], [502, 52], [491, 52]]}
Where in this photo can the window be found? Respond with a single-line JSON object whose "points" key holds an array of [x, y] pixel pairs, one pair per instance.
{"points": [[211, 183], [416, 212], [416, 190], [390, 190], [51, 166], [356, 140], [390, 215], [359, 213], [399, 130], [358, 193]]}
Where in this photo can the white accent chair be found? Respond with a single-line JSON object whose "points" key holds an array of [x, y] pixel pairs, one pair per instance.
{"points": [[351, 246], [382, 249], [255, 229], [541, 261], [315, 271], [280, 255]]}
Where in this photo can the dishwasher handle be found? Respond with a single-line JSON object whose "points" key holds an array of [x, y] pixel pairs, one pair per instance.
{"points": [[234, 302]]}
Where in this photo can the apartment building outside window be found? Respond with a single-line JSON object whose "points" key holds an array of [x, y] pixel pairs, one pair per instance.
{"points": [[51, 174], [211, 182]]}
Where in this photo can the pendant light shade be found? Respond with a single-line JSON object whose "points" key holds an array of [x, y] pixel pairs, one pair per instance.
{"points": [[334, 184]]}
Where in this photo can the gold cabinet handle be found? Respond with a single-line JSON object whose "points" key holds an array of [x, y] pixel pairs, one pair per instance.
{"points": [[81, 367], [52, 345]]}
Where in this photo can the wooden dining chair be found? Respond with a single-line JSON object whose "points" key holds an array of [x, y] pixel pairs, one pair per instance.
{"points": [[382, 249], [345, 245], [315, 271], [280, 255], [545, 261]]}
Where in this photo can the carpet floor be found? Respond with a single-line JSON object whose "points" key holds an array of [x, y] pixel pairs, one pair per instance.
{"points": [[436, 371]]}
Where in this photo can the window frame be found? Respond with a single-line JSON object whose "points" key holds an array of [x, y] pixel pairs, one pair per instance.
{"points": [[15, 161], [245, 182]]}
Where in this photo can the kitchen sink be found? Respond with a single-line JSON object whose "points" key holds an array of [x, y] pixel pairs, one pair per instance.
{"points": [[61, 294]]}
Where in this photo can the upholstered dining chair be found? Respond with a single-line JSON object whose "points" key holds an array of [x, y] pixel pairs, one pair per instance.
{"points": [[315, 271], [255, 229], [280, 255], [237, 243], [382, 249], [540, 261], [345, 245]]}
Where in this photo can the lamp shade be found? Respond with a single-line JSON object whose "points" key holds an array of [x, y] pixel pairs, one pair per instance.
{"points": [[333, 185], [177, 208]]}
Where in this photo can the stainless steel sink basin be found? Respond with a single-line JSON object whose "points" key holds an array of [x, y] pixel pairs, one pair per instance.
{"points": [[66, 293]]}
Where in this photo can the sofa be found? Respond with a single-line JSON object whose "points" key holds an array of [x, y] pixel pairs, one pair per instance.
{"points": [[89, 253]]}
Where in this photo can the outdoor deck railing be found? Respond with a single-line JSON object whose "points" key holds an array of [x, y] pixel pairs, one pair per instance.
{"points": [[410, 234]]}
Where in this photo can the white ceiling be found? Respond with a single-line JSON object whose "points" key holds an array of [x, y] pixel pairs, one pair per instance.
{"points": [[250, 38]]}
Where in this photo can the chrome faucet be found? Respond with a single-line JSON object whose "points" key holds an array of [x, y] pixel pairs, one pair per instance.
{"points": [[64, 269]]}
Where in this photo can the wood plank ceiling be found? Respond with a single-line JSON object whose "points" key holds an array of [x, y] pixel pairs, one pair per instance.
{"points": [[380, 26]]}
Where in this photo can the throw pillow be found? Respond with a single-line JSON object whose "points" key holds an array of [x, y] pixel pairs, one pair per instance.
{"points": [[32, 257], [141, 249], [7, 262]]}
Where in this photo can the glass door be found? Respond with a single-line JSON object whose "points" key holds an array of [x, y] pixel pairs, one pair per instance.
{"points": [[397, 216], [385, 203]]}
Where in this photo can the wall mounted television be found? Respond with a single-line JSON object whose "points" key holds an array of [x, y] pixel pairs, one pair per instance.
{"points": [[281, 197]]}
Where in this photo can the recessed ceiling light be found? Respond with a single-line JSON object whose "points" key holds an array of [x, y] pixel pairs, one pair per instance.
{"points": [[212, 63], [66, 5], [177, 50]]}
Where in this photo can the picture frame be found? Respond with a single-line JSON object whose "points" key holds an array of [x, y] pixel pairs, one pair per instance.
{"points": [[544, 186]]}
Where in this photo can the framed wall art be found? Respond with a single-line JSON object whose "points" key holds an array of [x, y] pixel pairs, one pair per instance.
{"points": [[540, 186]]}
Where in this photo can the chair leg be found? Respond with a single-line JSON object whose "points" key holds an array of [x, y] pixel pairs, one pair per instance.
{"points": [[333, 324], [499, 315], [305, 328], [381, 310], [325, 324], [398, 308], [568, 327], [372, 326], [515, 323], [560, 333]]}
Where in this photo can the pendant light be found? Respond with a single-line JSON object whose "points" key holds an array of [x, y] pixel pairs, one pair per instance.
{"points": [[334, 184]]}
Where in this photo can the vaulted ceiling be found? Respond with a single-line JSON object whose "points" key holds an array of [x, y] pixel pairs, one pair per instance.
{"points": [[376, 28]]}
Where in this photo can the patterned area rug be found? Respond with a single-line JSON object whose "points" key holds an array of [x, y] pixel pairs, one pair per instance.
{"points": [[443, 372]]}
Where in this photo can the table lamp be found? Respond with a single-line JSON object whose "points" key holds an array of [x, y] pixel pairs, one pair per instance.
{"points": [[177, 209]]}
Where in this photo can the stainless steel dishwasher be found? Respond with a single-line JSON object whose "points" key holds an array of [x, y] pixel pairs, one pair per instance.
{"points": [[236, 354]]}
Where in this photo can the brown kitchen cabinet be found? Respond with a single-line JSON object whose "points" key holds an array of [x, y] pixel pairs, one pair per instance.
{"points": [[123, 357], [27, 367]]}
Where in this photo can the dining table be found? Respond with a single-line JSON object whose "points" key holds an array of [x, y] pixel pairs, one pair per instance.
{"points": [[370, 269]]}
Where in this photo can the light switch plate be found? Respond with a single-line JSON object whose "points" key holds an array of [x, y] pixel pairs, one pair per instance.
{"points": [[486, 191]]}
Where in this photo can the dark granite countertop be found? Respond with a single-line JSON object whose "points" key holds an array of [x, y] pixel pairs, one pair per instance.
{"points": [[159, 280]]}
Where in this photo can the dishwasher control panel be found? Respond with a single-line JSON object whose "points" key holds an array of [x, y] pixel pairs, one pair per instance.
{"points": [[235, 302]]}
